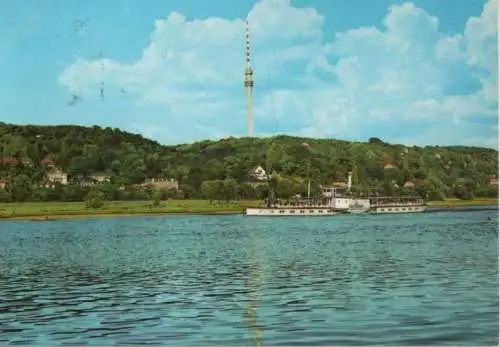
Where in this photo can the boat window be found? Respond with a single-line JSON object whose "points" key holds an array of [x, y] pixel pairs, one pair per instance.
{"points": [[311, 211], [292, 211], [281, 211], [320, 211], [302, 211], [389, 209]]}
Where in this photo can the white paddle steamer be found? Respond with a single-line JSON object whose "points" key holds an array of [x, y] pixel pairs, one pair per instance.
{"points": [[397, 204]]}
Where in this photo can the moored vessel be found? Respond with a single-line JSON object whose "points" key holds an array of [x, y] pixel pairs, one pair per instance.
{"points": [[305, 207], [335, 201], [290, 211], [331, 202], [397, 204]]}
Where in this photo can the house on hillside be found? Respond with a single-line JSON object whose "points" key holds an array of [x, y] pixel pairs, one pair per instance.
{"points": [[56, 175], [97, 178], [259, 174], [100, 178], [389, 166], [493, 180], [162, 183], [12, 161], [9, 161]]}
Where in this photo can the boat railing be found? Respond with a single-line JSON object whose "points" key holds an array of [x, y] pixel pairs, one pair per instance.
{"points": [[293, 203], [299, 206], [399, 203]]}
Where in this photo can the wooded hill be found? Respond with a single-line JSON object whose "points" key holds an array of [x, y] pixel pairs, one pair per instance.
{"points": [[128, 159]]}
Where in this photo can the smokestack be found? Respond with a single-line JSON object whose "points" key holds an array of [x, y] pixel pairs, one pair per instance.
{"points": [[349, 181]]}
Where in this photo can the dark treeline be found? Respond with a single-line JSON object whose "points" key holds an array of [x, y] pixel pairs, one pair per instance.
{"points": [[221, 169]]}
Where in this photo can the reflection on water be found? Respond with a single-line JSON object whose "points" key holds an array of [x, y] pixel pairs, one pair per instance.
{"points": [[231, 280], [254, 296]]}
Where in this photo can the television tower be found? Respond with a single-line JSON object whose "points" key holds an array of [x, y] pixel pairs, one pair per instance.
{"points": [[249, 84]]}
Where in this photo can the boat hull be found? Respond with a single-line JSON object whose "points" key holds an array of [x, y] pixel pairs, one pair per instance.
{"points": [[398, 209], [281, 212], [357, 210]]}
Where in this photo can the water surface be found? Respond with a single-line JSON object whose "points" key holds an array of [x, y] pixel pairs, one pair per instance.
{"points": [[235, 280]]}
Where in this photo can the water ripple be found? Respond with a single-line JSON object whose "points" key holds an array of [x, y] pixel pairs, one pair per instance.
{"points": [[392, 280]]}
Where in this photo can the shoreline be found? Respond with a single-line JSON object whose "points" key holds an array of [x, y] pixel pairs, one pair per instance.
{"points": [[42, 217], [54, 217], [462, 208]]}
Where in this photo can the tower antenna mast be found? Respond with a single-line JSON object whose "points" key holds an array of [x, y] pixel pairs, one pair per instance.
{"points": [[249, 82]]}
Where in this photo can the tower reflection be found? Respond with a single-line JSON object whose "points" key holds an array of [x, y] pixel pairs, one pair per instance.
{"points": [[253, 284]]}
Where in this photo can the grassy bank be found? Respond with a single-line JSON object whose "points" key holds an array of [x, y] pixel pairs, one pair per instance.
{"points": [[450, 203], [41, 210]]}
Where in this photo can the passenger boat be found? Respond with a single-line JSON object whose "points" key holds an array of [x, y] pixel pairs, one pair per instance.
{"points": [[306, 207], [336, 200], [398, 204], [331, 202]]}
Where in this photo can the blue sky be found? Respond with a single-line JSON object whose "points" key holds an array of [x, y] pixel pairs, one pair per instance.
{"points": [[421, 72]]}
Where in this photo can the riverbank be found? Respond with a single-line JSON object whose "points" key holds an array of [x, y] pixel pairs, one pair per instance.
{"points": [[41, 211], [70, 210], [455, 203]]}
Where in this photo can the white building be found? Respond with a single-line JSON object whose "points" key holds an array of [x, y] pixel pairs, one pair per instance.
{"points": [[259, 174], [57, 176]]}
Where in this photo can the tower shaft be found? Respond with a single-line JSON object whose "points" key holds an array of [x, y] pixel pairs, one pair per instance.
{"points": [[249, 84], [249, 90]]}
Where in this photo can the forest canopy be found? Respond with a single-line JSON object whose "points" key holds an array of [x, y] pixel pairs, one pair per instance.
{"points": [[221, 169]]}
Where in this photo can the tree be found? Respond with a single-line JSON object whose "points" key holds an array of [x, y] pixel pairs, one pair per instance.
{"points": [[487, 191], [21, 188], [431, 189], [211, 190], [94, 199], [194, 178], [74, 192], [286, 188], [388, 189], [462, 192], [246, 191], [262, 191], [5, 196], [375, 140], [157, 198], [229, 189]]}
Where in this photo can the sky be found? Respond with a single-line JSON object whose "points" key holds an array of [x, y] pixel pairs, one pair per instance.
{"points": [[416, 73]]}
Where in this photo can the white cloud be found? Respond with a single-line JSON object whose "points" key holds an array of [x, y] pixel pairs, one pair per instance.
{"points": [[404, 73]]}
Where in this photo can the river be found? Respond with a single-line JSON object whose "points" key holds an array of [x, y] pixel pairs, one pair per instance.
{"points": [[233, 280]]}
